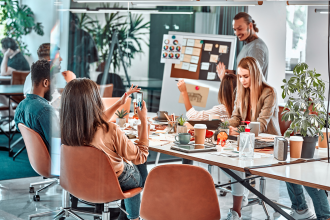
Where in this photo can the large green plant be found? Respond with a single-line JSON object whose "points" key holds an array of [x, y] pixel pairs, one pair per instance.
{"points": [[307, 112], [130, 29], [19, 21]]}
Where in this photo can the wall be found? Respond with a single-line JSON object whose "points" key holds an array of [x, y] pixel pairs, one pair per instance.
{"points": [[271, 21], [316, 47]]}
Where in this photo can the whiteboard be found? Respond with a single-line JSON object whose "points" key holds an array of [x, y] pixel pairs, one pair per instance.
{"points": [[169, 99]]}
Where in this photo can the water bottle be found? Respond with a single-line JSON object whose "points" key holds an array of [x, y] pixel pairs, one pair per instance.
{"points": [[246, 143]]}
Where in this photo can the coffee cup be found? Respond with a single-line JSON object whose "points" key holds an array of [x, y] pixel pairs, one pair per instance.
{"points": [[296, 143], [183, 138], [200, 131], [255, 127], [323, 143], [161, 114], [214, 117]]}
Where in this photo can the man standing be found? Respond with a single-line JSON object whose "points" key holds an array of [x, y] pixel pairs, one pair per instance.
{"points": [[246, 30]]}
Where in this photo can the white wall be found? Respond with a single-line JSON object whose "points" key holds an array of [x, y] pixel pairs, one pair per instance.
{"points": [[316, 47], [271, 21]]}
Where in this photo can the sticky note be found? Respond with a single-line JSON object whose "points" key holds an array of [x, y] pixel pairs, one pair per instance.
{"points": [[194, 59], [189, 50], [185, 66], [183, 49], [183, 42], [190, 42], [178, 66], [187, 58], [211, 75], [223, 49], [182, 57], [208, 47], [198, 43], [193, 68], [196, 51], [213, 58], [205, 66]]}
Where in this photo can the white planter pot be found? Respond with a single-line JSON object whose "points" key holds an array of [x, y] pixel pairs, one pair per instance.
{"points": [[182, 129], [121, 122]]}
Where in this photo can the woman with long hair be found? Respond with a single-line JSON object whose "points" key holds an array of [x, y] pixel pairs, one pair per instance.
{"points": [[226, 97], [255, 101], [84, 122]]}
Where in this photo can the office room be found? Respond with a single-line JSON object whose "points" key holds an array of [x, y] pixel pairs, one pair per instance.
{"points": [[164, 109]]}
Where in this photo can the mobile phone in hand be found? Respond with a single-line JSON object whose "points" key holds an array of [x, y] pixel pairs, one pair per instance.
{"points": [[139, 99]]}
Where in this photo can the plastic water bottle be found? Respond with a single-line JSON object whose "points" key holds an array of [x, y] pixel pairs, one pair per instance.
{"points": [[246, 144]]}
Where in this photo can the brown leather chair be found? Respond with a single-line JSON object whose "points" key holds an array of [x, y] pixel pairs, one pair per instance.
{"points": [[39, 158], [106, 90], [18, 78], [179, 192], [284, 125], [87, 173]]}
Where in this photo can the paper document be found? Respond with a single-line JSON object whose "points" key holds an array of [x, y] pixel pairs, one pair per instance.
{"points": [[194, 59], [185, 66], [190, 42], [205, 66]]}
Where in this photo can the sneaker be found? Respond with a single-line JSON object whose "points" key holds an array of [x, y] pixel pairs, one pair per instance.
{"points": [[232, 215], [308, 214]]}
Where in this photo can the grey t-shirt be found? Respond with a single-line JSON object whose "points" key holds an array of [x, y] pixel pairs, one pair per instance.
{"points": [[258, 50]]}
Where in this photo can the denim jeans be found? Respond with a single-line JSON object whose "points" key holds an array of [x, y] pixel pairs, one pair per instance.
{"points": [[319, 198], [132, 176]]}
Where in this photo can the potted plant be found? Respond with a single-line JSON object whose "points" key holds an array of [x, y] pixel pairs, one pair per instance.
{"points": [[181, 128], [121, 120], [307, 112]]}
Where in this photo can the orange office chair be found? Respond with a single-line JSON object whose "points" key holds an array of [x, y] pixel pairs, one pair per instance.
{"points": [[106, 90], [179, 192], [108, 102], [39, 158], [87, 173]]}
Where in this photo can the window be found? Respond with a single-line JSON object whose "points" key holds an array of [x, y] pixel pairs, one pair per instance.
{"points": [[296, 33]]}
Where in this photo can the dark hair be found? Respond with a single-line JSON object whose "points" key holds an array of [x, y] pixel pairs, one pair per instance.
{"points": [[227, 92], [40, 70], [81, 112], [8, 43], [44, 51], [248, 19]]}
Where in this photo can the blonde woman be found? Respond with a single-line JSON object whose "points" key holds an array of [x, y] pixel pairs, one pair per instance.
{"points": [[255, 101]]}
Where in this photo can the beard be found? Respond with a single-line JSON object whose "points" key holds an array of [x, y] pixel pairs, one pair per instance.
{"points": [[48, 96]]}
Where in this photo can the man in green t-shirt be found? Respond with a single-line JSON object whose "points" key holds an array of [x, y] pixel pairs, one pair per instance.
{"points": [[13, 59]]}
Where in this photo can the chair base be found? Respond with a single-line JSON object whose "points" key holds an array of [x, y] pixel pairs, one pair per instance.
{"points": [[49, 183]]}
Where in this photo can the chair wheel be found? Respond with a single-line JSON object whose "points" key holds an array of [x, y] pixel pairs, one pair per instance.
{"points": [[31, 189], [36, 198], [223, 193]]}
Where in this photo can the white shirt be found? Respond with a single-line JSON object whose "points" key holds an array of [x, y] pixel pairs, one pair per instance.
{"points": [[220, 110], [27, 85]]}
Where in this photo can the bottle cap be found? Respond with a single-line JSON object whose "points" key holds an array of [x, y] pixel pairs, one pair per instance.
{"points": [[247, 128]]}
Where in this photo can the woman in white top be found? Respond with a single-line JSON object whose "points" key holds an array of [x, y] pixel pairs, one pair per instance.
{"points": [[226, 97]]}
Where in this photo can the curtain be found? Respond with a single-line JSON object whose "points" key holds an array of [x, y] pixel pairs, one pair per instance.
{"points": [[226, 15], [206, 23]]}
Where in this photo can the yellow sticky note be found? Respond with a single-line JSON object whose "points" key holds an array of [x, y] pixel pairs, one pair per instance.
{"points": [[178, 66], [187, 58], [223, 49], [196, 51], [183, 49], [208, 47], [198, 43], [213, 58]]}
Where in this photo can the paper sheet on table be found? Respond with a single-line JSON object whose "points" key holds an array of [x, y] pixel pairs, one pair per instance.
{"points": [[196, 97], [198, 43], [190, 42], [205, 66], [208, 47], [157, 143], [185, 66], [189, 50], [194, 59]]}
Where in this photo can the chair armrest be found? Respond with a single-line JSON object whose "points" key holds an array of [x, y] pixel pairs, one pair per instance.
{"points": [[132, 192]]}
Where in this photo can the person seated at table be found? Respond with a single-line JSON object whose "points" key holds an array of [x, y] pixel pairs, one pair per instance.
{"points": [[96, 130], [12, 58], [226, 96], [255, 101]]}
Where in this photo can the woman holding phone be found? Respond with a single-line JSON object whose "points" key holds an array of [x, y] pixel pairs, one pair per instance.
{"points": [[91, 127], [226, 97]]}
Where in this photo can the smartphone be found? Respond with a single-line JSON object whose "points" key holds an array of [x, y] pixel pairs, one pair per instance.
{"points": [[139, 99]]}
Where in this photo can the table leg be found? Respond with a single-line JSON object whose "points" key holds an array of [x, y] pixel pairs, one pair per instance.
{"points": [[186, 161], [257, 193]]}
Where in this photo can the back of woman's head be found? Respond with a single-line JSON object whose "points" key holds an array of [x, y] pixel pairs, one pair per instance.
{"points": [[81, 112], [227, 92]]}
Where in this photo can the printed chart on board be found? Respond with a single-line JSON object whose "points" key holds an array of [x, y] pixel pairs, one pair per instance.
{"points": [[199, 58]]}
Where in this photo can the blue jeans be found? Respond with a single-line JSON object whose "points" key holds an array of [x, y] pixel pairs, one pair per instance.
{"points": [[133, 176], [319, 198]]}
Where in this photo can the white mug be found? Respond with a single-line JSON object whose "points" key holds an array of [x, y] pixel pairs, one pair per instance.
{"points": [[255, 128]]}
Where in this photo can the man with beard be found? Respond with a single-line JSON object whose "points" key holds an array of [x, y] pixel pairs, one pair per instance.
{"points": [[35, 111], [246, 30]]}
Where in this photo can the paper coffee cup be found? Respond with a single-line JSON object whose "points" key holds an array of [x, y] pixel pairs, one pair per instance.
{"points": [[296, 143], [200, 132]]}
